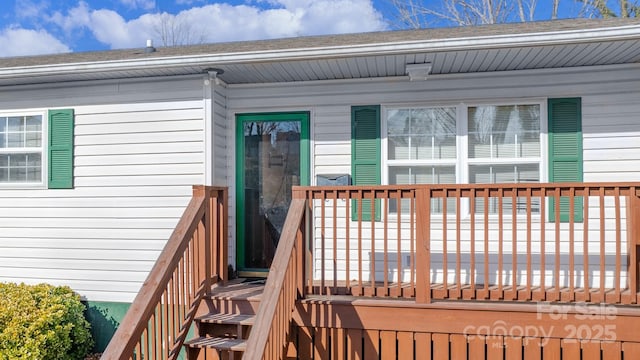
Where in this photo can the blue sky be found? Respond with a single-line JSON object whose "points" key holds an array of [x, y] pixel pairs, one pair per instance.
{"points": [[30, 27]]}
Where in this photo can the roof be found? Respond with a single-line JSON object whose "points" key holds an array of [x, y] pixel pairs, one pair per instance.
{"points": [[513, 46]]}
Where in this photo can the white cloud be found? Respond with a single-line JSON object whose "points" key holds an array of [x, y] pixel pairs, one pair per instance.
{"points": [[188, 2], [22, 42], [225, 22], [29, 8], [141, 4]]}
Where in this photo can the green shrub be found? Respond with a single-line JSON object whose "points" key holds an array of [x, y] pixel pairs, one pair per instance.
{"points": [[42, 322]]}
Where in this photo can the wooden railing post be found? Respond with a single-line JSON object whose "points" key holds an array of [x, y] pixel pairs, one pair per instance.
{"points": [[204, 238], [219, 228], [300, 248], [423, 244], [633, 241]]}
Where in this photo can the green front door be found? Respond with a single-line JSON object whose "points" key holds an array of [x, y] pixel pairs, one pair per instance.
{"points": [[272, 152]]}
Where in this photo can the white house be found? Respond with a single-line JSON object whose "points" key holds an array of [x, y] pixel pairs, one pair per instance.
{"points": [[99, 151]]}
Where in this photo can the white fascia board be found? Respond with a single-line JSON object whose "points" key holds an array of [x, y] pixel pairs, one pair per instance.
{"points": [[454, 44]]}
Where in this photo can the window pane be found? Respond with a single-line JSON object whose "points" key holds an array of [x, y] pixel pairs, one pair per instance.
{"points": [[403, 175], [423, 133], [34, 139], [18, 174], [34, 123], [511, 131], [16, 123], [489, 174], [3, 132], [15, 140], [17, 160], [21, 167]]}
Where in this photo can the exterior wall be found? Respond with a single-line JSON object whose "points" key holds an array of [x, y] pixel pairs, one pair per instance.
{"points": [[609, 105], [221, 151], [609, 95], [139, 148]]}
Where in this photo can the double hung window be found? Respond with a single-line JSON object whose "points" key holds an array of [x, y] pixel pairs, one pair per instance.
{"points": [[474, 144], [21, 149]]}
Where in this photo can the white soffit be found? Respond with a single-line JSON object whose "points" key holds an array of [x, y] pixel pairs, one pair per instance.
{"points": [[504, 52]]}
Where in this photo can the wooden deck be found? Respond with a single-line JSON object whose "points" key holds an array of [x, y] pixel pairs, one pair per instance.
{"points": [[496, 271], [358, 327]]}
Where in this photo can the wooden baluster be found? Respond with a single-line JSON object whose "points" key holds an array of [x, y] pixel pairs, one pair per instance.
{"points": [[540, 294], [529, 209], [501, 273], [373, 242], [618, 272], [572, 203], [174, 308], [138, 350], [167, 321], [458, 244], [335, 241], [385, 239], [585, 244], [323, 245], [472, 266], [359, 218], [348, 240], [445, 252], [556, 295], [153, 347], [486, 243], [632, 234], [514, 244], [144, 348], [310, 249], [399, 242], [602, 245]]}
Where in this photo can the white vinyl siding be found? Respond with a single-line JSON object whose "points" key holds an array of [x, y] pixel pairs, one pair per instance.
{"points": [[139, 148], [609, 118]]}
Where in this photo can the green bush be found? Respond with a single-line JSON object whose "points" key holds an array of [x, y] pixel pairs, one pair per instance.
{"points": [[42, 322]]}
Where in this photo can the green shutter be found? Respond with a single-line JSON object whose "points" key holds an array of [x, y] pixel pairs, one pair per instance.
{"points": [[365, 154], [60, 149], [565, 151]]}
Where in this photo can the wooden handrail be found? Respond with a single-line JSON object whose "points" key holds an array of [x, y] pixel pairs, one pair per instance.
{"points": [[159, 318], [269, 335]]}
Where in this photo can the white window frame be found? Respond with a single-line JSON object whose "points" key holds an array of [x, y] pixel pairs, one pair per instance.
{"points": [[43, 149], [462, 162]]}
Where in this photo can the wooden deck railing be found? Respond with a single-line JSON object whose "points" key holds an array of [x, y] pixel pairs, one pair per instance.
{"points": [[513, 242], [270, 334], [195, 256]]}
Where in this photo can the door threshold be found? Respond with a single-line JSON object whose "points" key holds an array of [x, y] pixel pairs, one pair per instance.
{"points": [[253, 274]]}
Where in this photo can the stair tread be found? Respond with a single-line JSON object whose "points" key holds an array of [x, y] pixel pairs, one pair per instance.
{"points": [[223, 318], [218, 343], [238, 291]]}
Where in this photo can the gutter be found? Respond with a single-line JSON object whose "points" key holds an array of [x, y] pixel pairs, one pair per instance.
{"points": [[629, 32]]}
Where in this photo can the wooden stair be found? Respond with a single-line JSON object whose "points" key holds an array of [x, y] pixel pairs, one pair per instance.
{"points": [[225, 321]]}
